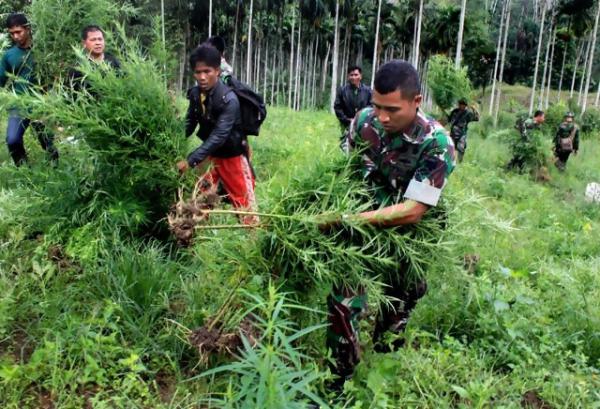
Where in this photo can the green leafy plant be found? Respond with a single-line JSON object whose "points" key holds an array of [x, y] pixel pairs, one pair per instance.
{"points": [[272, 372], [54, 43], [447, 83], [590, 120]]}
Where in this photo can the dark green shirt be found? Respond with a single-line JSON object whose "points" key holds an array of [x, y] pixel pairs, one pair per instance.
{"points": [[564, 131], [17, 63]]}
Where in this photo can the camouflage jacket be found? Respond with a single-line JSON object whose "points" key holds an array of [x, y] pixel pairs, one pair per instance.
{"points": [[528, 126], [459, 121], [226, 71], [564, 130], [411, 165]]}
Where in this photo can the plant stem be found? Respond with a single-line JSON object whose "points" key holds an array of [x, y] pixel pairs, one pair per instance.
{"points": [[246, 213], [228, 226]]}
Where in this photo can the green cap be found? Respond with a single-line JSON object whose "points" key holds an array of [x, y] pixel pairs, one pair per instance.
{"points": [[569, 115]]}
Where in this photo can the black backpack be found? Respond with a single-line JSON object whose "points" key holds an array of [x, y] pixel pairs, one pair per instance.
{"points": [[252, 106]]}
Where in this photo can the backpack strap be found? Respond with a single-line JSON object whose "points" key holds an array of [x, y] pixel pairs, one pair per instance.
{"points": [[573, 132]]}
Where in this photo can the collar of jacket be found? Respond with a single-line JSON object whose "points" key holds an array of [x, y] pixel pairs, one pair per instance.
{"points": [[211, 91]]}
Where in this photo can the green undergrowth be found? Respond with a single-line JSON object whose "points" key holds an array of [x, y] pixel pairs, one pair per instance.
{"points": [[92, 315]]}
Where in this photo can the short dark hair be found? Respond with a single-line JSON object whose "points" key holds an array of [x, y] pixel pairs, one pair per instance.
{"points": [[398, 75], [16, 20], [538, 113], [218, 42], [90, 29], [354, 68], [207, 54]]}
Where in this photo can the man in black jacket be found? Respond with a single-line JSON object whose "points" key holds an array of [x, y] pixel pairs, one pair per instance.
{"points": [[216, 109], [92, 40], [351, 97]]}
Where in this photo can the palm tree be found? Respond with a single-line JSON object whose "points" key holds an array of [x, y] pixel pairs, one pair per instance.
{"points": [[537, 58], [505, 42], [591, 61], [376, 45], [461, 28], [249, 51], [417, 41], [336, 52]]}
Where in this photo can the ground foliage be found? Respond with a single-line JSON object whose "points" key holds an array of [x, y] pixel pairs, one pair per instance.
{"points": [[92, 315]]}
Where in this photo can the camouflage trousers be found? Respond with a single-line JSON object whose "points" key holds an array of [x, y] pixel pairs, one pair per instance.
{"points": [[347, 306], [561, 159], [460, 142]]}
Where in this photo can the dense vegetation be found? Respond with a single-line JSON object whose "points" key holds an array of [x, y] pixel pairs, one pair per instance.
{"points": [[92, 314]]}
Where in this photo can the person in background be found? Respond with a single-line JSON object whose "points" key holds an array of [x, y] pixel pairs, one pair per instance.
{"points": [[92, 41], [459, 122], [351, 97], [566, 141], [226, 69], [17, 69]]}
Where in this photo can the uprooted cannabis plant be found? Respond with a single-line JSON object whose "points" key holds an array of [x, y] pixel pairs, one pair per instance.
{"points": [[118, 136], [53, 43]]}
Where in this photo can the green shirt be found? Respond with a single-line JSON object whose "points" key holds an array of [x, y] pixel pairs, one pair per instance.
{"points": [[17, 63], [564, 131]]}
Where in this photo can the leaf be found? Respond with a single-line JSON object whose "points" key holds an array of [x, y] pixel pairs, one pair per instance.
{"points": [[500, 306], [462, 392]]}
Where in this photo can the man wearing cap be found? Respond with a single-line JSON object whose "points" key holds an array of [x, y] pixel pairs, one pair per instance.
{"points": [[459, 122], [17, 69], [566, 141]]}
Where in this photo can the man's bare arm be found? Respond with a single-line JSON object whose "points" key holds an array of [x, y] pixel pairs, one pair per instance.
{"points": [[407, 212]]}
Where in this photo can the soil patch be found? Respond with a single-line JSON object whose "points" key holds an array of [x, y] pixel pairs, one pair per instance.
{"points": [[210, 339], [532, 400]]}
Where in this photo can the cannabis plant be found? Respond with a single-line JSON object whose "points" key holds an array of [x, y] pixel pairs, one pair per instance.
{"points": [[447, 83], [271, 373]]}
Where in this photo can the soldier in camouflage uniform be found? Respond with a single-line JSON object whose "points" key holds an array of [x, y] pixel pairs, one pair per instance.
{"points": [[406, 159], [522, 148], [566, 141], [459, 122]]}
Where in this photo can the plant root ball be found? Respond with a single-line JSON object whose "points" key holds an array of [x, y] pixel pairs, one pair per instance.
{"points": [[210, 341], [185, 215]]}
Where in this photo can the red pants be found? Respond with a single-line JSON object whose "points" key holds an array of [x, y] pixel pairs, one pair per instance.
{"points": [[236, 176]]}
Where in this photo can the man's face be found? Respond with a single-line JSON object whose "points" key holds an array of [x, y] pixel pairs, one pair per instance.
{"points": [[94, 43], [20, 35], [206, 76], [540, 119], [393, 111], [355, 77], [462, 107], [569, 119]]}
